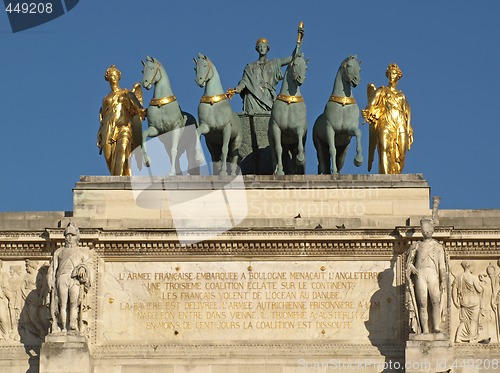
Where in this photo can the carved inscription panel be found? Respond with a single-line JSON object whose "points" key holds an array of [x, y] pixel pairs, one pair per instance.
{"points": [[248, 300]]}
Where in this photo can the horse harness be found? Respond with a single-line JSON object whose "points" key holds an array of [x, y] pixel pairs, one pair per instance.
{"points": [[342, 100], [213, 99], [163, 100], [290, 99]]}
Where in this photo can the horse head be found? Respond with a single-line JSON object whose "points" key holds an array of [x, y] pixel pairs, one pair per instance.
{"points": [[298, 68], [204, 69], [351, 71], [151, 72]]}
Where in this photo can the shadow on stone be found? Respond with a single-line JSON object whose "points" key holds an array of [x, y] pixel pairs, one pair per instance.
{"points": [[33, 323], [384, 323]]}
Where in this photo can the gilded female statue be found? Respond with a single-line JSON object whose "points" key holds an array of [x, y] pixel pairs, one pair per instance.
{"points": [[121, 118], [388, 114]]}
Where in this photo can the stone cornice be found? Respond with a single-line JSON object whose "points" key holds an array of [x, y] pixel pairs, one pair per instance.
{"points": [[253, 182], [276, 350], [275, 241]]}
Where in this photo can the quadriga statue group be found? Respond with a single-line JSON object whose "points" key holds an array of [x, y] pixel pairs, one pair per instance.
{"points": [[387, 113]]}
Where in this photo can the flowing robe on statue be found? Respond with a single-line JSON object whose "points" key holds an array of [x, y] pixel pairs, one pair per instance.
{"points": [[469, 295], [260, 80], [394, 134]]}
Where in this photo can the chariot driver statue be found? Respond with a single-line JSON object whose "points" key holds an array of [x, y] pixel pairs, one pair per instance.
{"points": [[121, 118], [257, 87]]}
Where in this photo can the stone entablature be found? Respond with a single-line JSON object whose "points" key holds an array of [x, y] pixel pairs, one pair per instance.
{"points": [[132, 253]]}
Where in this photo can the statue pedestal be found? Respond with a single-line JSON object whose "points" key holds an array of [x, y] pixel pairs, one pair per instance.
{"points": [[428, 353], [255, 151], [65, 354], [206, 202]]}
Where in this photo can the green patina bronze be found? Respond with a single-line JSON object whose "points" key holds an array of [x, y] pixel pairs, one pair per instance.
{"points": [[257, 87], [288, 123], [166, 117], [220, 125], [334, 128]]}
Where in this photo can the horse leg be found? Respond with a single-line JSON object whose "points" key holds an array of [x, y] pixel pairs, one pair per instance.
{"points": [[226, 136], [174, 160], [296, 167], [301, 157], [234, 154], [270, 136], [358, 160], [215, 153], [190, 147], [330, 138], [278, 149], [233, 158], [149, 132], [319, 151], [201, 130]]}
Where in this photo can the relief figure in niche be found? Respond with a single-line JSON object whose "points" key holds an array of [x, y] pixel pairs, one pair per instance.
{"points": [[5, 299], [34, 317], [467, 293], [16, 300], [491, 271]]}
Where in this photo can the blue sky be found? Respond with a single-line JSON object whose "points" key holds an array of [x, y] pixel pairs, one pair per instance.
{"points": [[53, 85]]}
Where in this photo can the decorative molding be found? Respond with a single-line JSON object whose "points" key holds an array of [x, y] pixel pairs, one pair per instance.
{"points": [[236, 350]]}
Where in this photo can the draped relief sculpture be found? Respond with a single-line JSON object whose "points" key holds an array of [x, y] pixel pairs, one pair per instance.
{"points": [[5, 298], [494, 302], [391, 133], [121, 116], [426, 273], [16, 300], [70, 280], [34, 316], [24, 315], [467, 295]]}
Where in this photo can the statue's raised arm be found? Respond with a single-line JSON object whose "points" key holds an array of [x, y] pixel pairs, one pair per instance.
{"points": [[296, 51]]}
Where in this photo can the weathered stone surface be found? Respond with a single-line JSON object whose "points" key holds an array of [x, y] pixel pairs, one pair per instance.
{"points": [[65, 354], [428, 356], [255, 152], [355, 201], [271, 301], [296, 224]]}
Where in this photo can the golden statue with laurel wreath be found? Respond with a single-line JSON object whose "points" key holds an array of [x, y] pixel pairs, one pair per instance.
{"points": [[388, 114], [121, 116]]}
